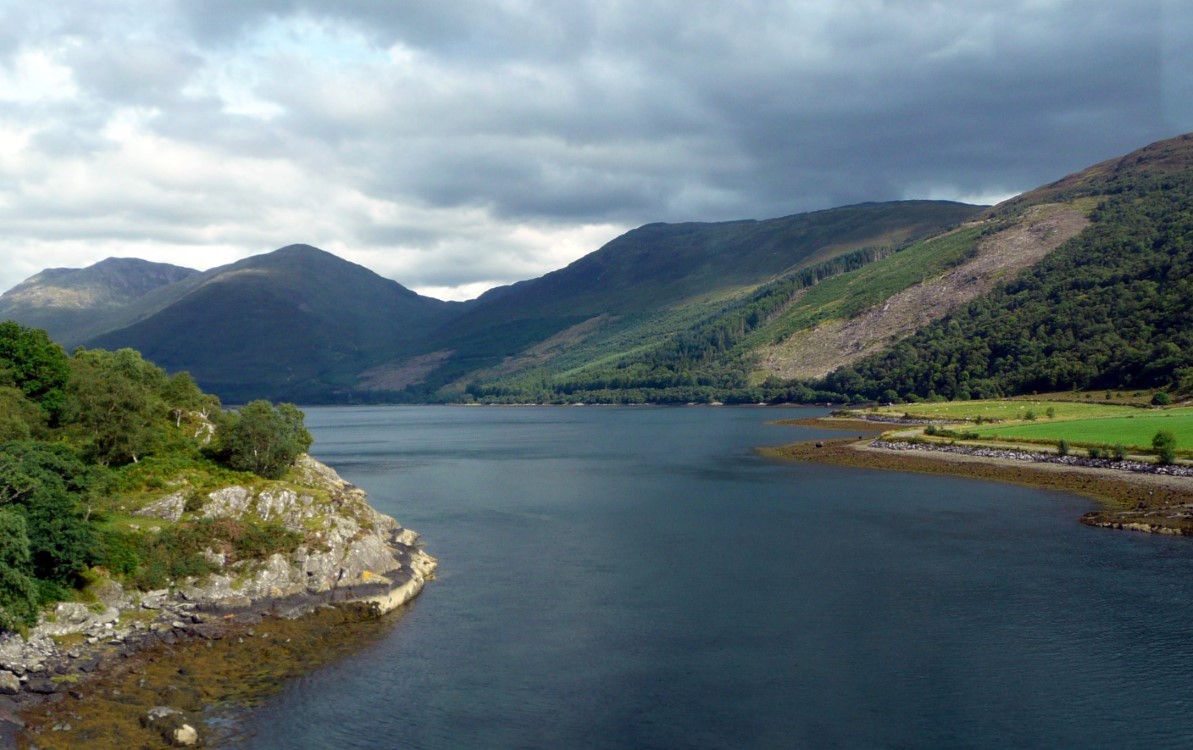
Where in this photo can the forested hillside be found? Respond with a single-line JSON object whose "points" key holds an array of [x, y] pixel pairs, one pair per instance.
{"points": [[83, 435], [1112, 308]]}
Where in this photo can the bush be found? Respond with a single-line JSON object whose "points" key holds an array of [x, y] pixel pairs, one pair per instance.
{"points": [[1161, 399], [119, 552], [1120, 452], [1164, 443], [1095, 452], [1062, 448]]}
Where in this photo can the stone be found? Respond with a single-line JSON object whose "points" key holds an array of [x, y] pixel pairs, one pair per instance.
{"points": [[10, 684], [168, 508], [41, 686], [185, 736], [172, 725], [229, 502]]}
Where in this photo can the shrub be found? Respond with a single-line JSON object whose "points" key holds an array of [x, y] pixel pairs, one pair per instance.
{"points": [[1164, 443], [1095, 452], [1161, 399], [1120, 452], [1062, 448]]}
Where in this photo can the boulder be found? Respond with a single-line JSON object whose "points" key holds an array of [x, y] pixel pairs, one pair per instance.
{"points": [[172, 725], [169, 508]]}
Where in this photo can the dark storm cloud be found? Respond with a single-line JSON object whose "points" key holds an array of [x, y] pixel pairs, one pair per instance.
{"points": [[455, 143]]}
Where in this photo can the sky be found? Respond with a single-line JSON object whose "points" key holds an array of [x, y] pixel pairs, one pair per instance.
{"points": [[457, 145]]}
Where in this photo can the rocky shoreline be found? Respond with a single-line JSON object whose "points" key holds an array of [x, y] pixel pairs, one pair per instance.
{"points": [[1006, 454], [1143, 500], [352, 555]]}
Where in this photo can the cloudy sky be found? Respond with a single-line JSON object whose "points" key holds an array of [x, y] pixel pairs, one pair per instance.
{"points": [[454, 145]]}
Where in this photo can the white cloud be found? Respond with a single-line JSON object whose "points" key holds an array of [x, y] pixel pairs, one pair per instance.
{"points": [[35, 76], [454, 146]]}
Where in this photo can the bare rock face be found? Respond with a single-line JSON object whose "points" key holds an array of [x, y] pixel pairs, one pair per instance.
{"points": [[348, 543]]}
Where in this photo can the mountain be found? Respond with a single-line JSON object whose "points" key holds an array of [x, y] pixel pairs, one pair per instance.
{"points": [[1109, 309], [887, 323], [72, 303], [298, 323], [1084, 282], [654, 280]]}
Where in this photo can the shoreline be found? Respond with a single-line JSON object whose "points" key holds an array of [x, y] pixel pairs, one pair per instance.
{"points": [[354, 566], [210, 678], [1130, 501]]}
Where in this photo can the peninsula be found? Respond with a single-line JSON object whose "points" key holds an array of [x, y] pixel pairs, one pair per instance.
{"points": [[1127, 456], [136, 514]]}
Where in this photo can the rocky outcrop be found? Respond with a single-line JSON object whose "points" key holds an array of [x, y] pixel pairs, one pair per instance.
{"points": [[349, 553]]}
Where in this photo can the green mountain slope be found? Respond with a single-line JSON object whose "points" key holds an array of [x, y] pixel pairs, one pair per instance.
{"points": [[297, 324], [74, 304], [656, 281], [1081, 283], [1111, 308], [780, 340]]}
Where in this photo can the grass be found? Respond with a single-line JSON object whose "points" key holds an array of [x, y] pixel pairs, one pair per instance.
{"points": [[1134, 430], [1012, 409], [849, 293], [1079, 422]]}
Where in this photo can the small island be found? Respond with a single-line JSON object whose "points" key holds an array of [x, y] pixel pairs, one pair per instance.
{"points": [[1129, 451], [139, 519]]}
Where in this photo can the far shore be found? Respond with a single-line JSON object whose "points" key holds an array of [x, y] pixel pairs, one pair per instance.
{"points": [[1142, 502]]}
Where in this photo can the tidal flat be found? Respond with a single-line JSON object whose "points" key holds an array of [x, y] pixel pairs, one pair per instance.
{"points": [[211, 680]]}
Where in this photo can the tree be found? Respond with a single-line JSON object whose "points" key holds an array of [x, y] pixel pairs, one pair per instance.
{"points": [[35, 365], [1165, 444], [20, 418], [113, 407], [265, 439], [48, 485], [18, 591], [182, 396]]}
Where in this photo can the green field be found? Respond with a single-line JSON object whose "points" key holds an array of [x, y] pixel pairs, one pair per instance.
{"points": [[1078, 422], [1134, 430], [1015, 409]]}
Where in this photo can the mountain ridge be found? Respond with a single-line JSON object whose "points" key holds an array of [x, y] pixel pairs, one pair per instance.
{"points": [[752, 309]]}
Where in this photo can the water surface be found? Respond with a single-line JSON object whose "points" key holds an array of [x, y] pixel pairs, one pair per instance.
{"points": [[639, 578]]}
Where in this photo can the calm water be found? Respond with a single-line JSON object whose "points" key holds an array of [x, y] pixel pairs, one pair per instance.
{"points": [[637, 578]]}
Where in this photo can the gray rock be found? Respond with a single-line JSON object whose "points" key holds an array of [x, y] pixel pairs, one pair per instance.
{"points": [[229, 502], [10, 684], [169, 508], [172, 725]]}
